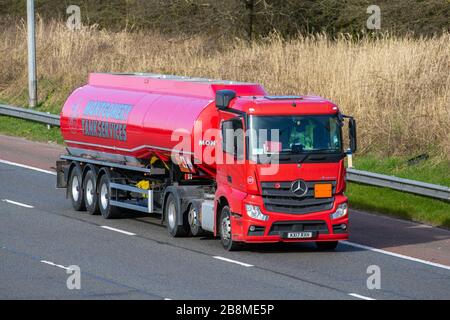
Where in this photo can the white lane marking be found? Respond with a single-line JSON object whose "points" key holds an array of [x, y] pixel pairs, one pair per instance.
{"points": [[233, 261], [27, 167], [118, 230], [18, 203], [360, 296], [397, 255], [55, 265]]}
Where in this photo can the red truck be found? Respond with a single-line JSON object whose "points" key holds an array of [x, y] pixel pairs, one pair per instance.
{"points": [[208, 156]]}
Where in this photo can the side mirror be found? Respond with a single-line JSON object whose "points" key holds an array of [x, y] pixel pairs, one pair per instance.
{"points": [[223, 98], [352, 134]]}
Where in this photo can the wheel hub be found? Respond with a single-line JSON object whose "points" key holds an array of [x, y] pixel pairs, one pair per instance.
{"points": [[75, 188], [90, 192], [226, 228], [171, 215], [192, 218], [104, 196]]}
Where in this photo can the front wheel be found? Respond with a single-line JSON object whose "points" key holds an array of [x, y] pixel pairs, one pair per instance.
{"points": [[326, 245], [226, 232]]}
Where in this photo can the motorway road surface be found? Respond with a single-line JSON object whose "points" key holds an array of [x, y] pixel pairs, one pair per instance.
{"points": [[134, 258]]}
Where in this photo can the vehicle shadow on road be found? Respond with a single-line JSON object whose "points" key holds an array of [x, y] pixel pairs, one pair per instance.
{"points": [[302, 247]]}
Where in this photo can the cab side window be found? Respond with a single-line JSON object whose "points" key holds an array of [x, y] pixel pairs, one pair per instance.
{"points": [[233, 137]]}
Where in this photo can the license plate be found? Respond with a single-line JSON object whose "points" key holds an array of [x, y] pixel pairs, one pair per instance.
{"points": [[299, 235]]}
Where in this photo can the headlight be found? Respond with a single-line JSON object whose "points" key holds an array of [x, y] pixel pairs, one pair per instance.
{"points": [[340, 211], [255, 213]]}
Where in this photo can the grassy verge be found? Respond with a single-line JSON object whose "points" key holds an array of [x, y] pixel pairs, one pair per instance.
{"points": [[30, 130], [380, 200], [400, 204], [433, 170]]}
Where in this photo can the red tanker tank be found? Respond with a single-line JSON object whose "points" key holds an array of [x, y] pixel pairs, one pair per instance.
{"points": [[131, 117]]}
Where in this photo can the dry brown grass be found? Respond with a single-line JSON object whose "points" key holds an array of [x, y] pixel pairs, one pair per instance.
{"points": [[398, 88]]}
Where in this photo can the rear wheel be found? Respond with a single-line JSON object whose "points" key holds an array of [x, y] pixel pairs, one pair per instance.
{"points": [[76, 190], [171, 216], [194, 220], [90, 192], [326, 245], [104, 195], [225, 231]]}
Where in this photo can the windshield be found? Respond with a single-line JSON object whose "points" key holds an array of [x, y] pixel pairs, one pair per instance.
{"points": [[294, 135]]}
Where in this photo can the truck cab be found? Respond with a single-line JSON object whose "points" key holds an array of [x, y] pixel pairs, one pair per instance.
{"points": [[286, 178]]}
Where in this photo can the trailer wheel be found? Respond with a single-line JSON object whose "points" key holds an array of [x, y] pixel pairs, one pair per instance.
{"points": [[326, 245], [90, 192], [107, 211], [75, 189], [226, 232], [171, 209]]}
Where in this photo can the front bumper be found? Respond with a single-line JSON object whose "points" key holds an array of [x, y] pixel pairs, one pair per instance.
{"points": [[323, 228]]}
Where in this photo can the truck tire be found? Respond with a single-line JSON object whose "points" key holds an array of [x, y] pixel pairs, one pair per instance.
{"points": [[171, 208], [75, 189], [90, 192], [104, 195], [193, 219], [226, 232], [326, 245]]}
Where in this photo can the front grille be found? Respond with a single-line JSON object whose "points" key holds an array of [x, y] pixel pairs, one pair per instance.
{"points": [[283, 200], [293, 226]]}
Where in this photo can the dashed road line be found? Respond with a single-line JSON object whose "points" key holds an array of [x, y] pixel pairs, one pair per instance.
{"points": [[118, 230], [27, 167], [18, 203], [360, 296], [233, 261], [55, 265]]}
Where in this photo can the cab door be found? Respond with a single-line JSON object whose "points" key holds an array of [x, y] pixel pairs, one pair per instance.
{"points": [[231, 164]]}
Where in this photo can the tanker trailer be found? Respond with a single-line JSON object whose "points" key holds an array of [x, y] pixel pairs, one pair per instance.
{"points": [[207, 156]]}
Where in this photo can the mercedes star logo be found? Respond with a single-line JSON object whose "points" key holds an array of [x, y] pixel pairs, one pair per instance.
{"points": [[299, 188]]}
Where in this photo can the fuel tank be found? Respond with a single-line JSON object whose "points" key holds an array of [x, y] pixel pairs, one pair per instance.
{"points": [[133, 117]]}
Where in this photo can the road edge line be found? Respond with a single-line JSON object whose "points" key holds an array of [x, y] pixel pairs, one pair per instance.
{"points": [[397, 255]]}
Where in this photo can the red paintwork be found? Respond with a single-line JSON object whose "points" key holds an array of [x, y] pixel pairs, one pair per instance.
{"points": [[240, 225], [160, 106]]}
